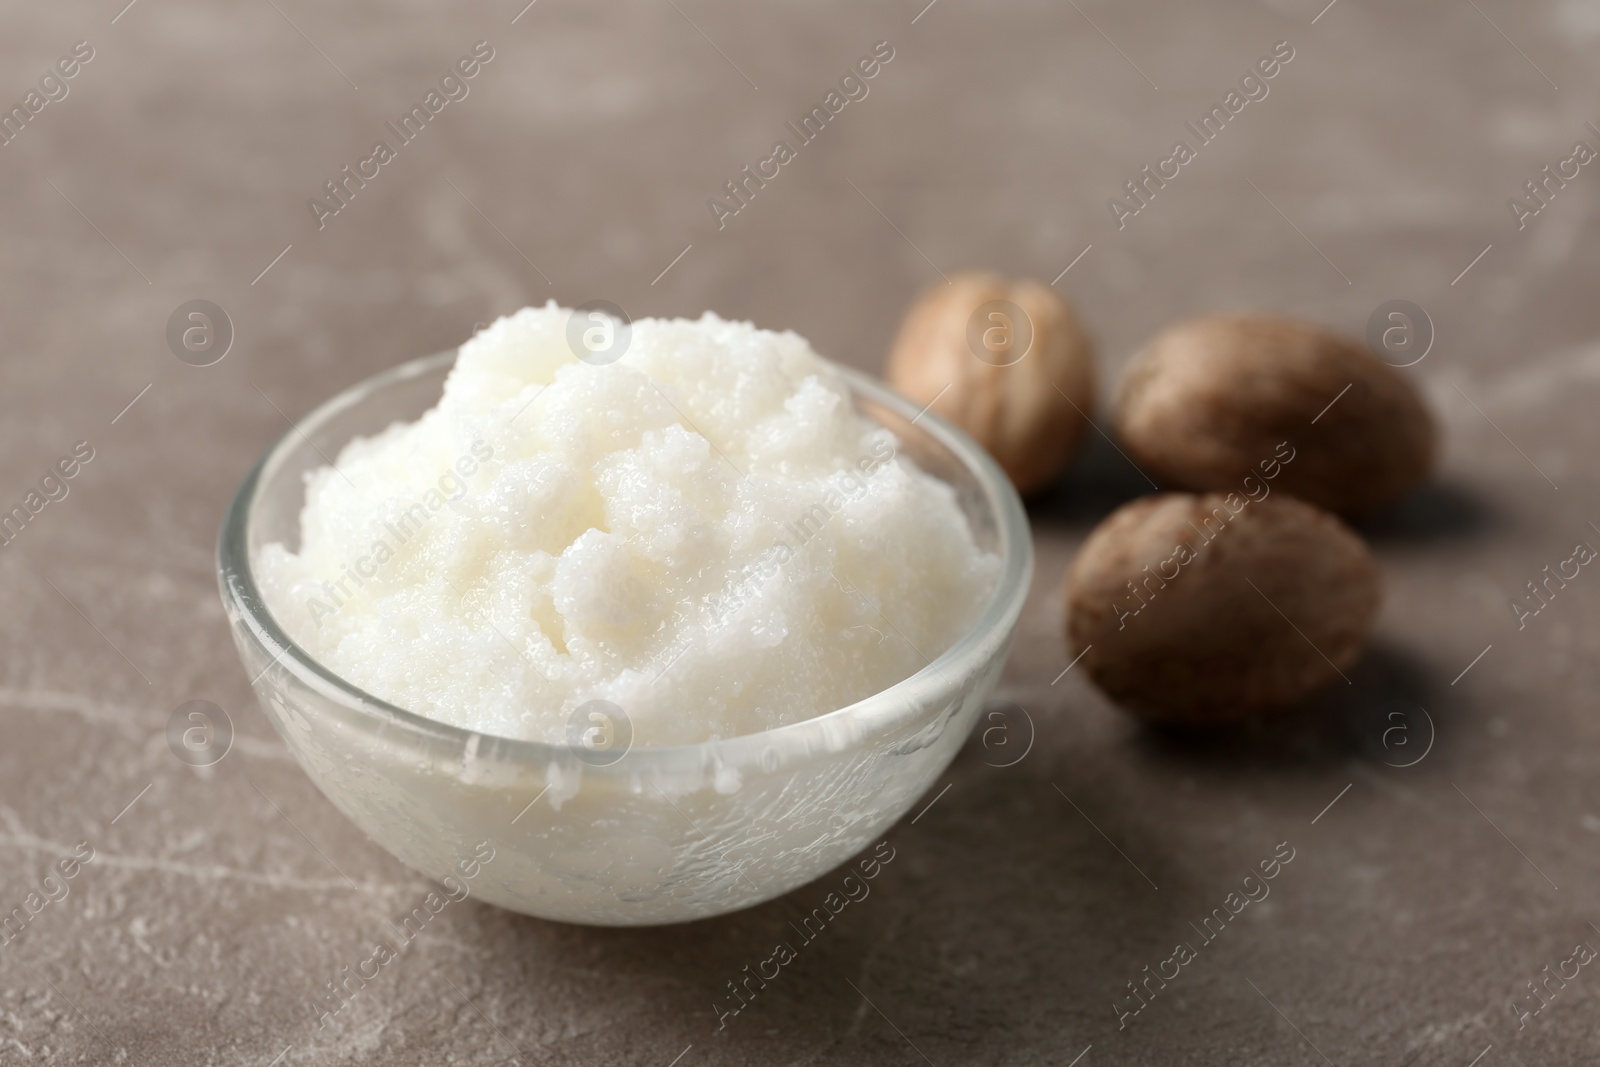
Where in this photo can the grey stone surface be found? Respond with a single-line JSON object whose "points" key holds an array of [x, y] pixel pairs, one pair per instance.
{"points": [[179, 165]]}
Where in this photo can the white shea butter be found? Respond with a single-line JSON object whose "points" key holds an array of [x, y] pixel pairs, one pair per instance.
{"points": [[704, 533]]}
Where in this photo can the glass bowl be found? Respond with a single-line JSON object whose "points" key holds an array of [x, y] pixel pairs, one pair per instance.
{"points": [[664, 834]]}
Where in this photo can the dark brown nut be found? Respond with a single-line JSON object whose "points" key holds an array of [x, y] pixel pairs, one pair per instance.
{"points": [[1205, 404], [1207, 609], [1007, 362]]}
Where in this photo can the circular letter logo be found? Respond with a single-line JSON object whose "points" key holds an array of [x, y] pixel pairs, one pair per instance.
{"points": [[199, 333], [1403, 732], [598, 332], [199, 733], [599, 733], [1007, 733], [1400, 333], [1000, 333]]}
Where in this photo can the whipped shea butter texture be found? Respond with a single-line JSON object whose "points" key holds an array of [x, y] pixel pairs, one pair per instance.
{"points": [[703, 532]]}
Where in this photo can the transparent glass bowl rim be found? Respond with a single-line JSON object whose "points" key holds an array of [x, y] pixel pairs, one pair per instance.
{"points": [[870, 715]]}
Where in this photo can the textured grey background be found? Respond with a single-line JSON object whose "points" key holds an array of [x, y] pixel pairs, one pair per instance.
{"points": [[1007, 924]]}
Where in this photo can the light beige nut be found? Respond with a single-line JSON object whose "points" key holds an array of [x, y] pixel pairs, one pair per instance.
{"points": [[1207, 609], [1208, 400], [1006, 361]]}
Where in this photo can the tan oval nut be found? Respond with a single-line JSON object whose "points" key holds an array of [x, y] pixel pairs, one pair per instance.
{"points": [[1191, 640], [1208, 400], [1030, 409]]}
